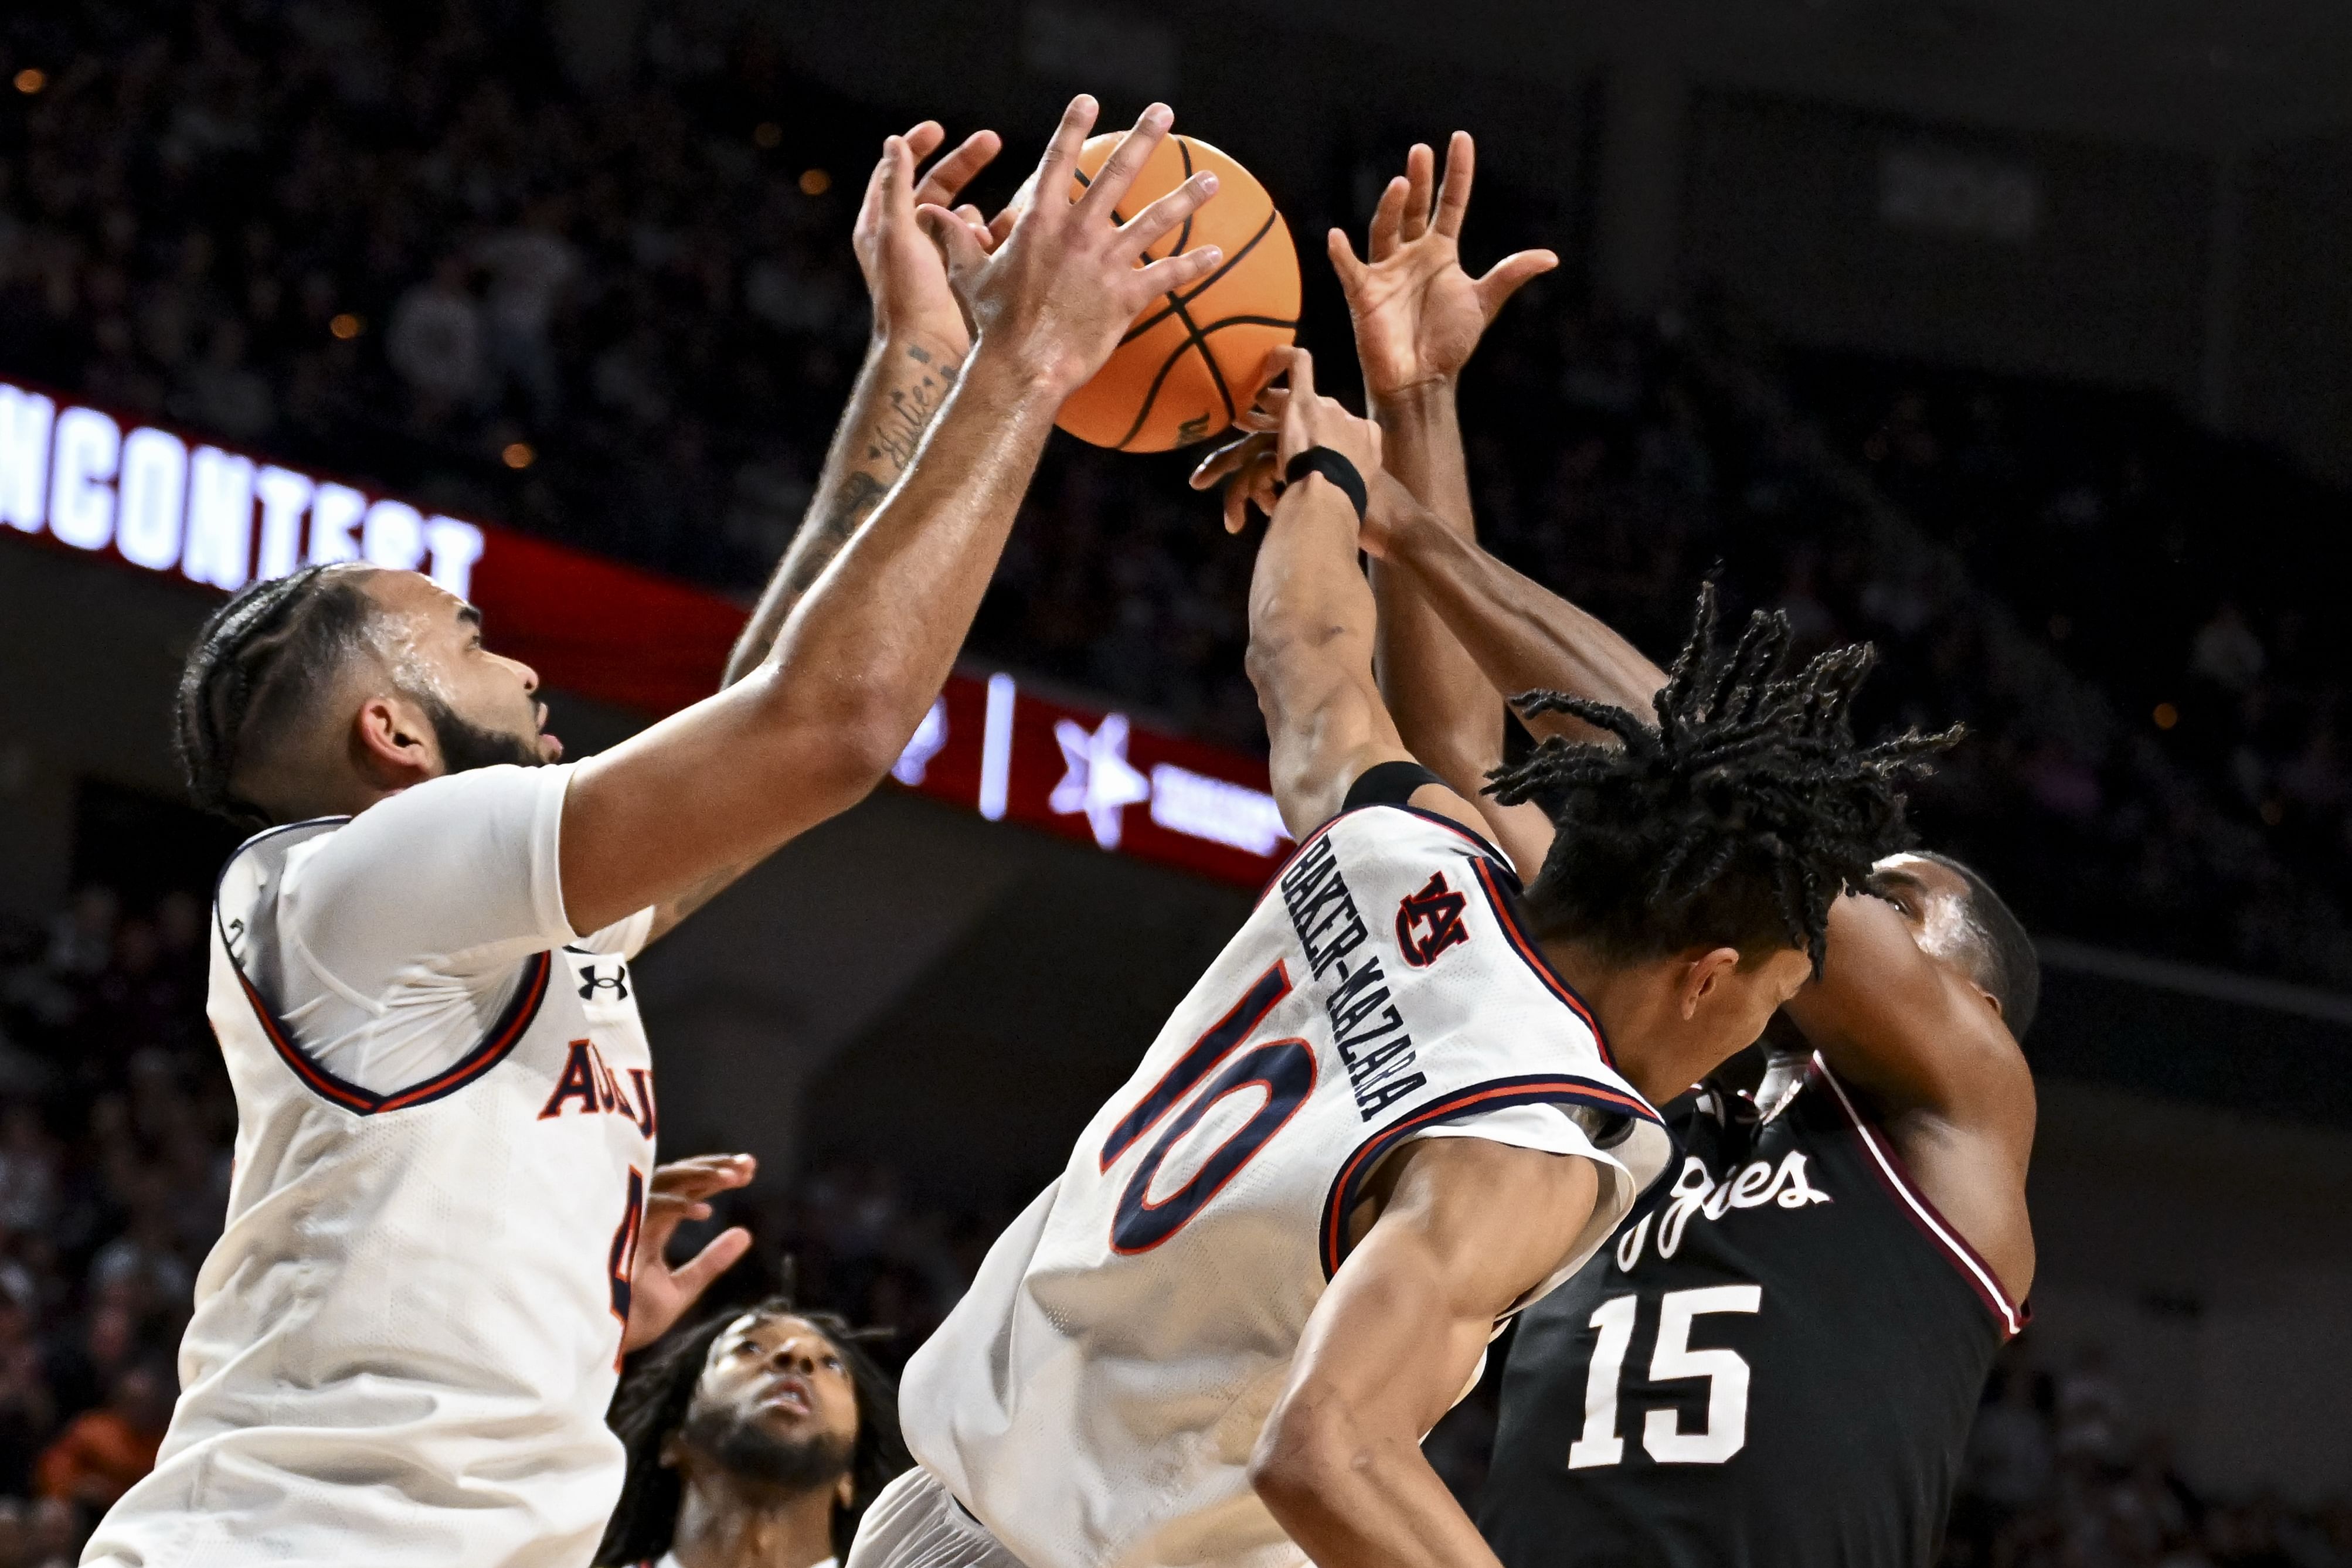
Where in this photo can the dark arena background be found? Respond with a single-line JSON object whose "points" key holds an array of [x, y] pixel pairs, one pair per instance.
{"points": [[2014, 335]]}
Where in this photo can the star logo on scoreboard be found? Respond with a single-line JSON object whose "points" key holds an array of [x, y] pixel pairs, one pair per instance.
{"points": [[1096, 778]]}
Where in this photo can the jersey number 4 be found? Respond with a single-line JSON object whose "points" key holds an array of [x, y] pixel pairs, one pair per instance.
{"points": [[1726, 1432], [1283, 1069]]}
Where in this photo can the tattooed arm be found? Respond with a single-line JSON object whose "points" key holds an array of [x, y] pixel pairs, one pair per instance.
{"points": [[905, 378], [919, 345]]}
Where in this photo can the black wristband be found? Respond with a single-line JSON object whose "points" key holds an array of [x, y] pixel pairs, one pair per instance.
{"points": [[1332, 467]]}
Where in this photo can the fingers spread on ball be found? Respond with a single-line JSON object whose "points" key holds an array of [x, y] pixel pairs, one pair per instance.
{"points": [[1111, 183], [1176, 273], [1062, 152], [1154, 223]]}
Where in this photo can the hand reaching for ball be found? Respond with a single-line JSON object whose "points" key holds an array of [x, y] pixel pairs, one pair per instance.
{"points": [[1418, 315], [1056, 295], [1286, 421], [904, 272]]}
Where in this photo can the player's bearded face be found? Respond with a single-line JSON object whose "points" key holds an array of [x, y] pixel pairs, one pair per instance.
{"points": [[466, 745], [734, 1438]]}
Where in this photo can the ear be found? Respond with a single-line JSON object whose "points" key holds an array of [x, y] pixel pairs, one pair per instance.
{"points": [[393, 742], [1702, 975], [671, 1451], [845, 1493]]}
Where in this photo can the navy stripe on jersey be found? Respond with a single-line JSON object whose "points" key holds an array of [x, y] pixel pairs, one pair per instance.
{"points": [[1506, 914], [1888, 1167], [492, 1050], [1496, 1094]]}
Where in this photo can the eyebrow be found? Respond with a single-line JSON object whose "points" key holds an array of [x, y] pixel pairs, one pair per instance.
{"points": [[470, 616]]}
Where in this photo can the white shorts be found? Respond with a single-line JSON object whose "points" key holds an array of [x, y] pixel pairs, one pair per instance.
{"points": [[916, 1522]]}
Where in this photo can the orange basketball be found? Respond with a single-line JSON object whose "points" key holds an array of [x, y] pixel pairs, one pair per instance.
{"points": [[1191, 362]]}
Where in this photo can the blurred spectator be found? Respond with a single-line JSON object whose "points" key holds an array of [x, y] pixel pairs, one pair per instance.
{"points": [[2226, 652], [103, 1452], [435, 342]]}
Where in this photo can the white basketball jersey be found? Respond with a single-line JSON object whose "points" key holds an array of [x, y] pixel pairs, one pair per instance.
{"points": [[405, 1338], [1095, 1399]]}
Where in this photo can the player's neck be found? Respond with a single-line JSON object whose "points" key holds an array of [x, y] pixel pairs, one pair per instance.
{"points": [[726, 1522]]}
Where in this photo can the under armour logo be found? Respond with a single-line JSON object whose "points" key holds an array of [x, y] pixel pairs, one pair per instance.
{"points": [[591, 982], [1430, 920]]}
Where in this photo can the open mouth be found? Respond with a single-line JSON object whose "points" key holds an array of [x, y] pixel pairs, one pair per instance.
{"points": [[789, 1393]]}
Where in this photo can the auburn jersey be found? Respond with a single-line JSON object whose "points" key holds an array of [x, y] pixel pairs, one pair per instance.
{"points": [[1094, 1399], [1776, 1364], [405, 1338]]}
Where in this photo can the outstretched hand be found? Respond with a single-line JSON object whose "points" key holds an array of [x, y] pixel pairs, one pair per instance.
{"points": [[1285, 422], [1055, 294], [904, 273], [659, 1294], [1418, 315]]}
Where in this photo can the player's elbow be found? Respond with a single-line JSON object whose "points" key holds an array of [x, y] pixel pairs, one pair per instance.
{"points": [[1308, 1445], [837, 741]]}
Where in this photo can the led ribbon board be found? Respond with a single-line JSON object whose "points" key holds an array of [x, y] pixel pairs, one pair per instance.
{"points": [[81, 479]]}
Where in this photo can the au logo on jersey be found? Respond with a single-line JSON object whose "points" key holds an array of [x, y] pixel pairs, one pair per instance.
{"points": [[1430, 920], [591, 982]]}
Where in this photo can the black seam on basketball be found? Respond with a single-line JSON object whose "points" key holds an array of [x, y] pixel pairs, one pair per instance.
{"points": [[1184, 235], [1174, 299], [1152, 394], [1194, 335], [1195, 339]]}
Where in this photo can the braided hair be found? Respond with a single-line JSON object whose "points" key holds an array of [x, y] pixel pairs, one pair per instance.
{"points": [[258, 663], [657, 1393], [1734, 820]]}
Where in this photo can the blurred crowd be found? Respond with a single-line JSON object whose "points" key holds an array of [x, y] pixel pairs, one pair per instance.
{"points": [[399, 243], [115, 1129], [2057, 1477]]}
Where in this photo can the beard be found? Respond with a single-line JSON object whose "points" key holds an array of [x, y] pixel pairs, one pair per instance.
{"points": [[466, 746], [747, 1450]]}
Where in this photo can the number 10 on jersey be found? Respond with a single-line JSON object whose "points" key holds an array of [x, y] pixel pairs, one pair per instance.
{"points": [[1662, 1438]]}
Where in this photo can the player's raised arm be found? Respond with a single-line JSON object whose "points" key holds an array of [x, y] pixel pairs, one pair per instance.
{"points": [[812, 729], [915, 350], [1418, 318], [1907, 1005], [1311, 616], [917, 345], [1467, 1229]]}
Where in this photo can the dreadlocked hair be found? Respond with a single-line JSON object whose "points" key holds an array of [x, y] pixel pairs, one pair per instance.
{"points": [[259, 664], [1734, 820], [656, 1395]]}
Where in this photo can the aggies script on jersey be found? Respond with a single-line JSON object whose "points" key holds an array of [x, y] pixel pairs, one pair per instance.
{"points": [[1773, 1365]]}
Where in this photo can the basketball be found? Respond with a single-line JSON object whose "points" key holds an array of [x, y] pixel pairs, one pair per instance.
{"points": [[1191, 362]]}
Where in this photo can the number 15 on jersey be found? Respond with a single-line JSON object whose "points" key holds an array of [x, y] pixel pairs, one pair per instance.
{"points": [[1662, 1438]]}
